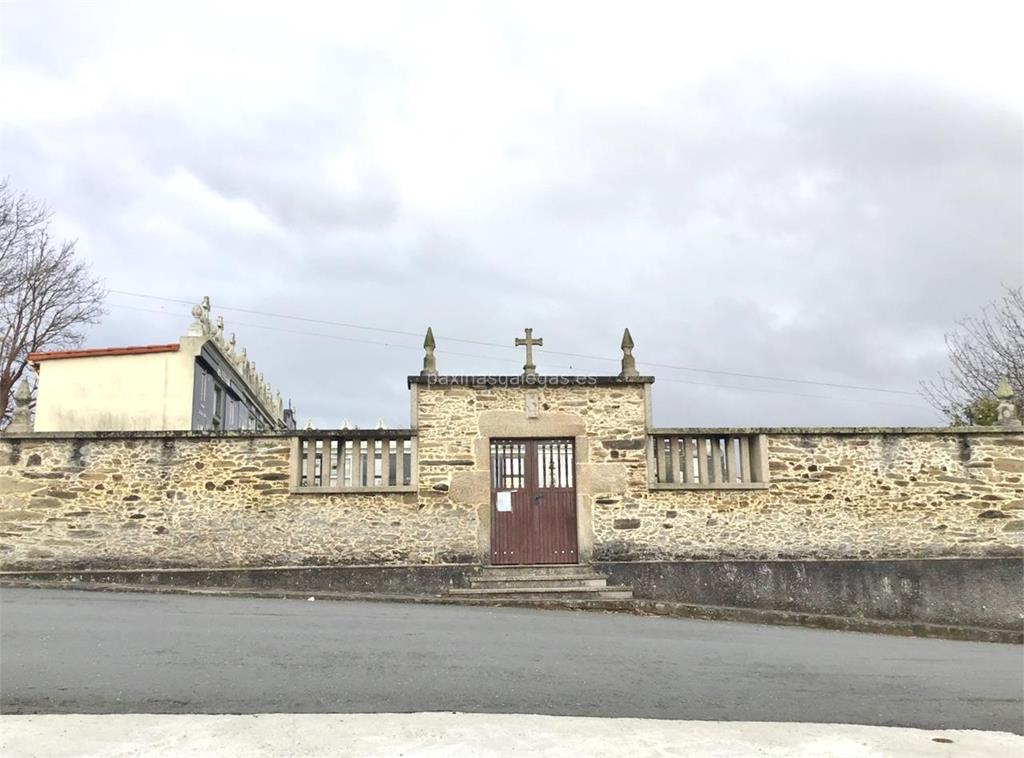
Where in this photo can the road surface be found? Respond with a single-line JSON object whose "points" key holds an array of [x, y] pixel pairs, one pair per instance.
{"points": [[90, 652]]}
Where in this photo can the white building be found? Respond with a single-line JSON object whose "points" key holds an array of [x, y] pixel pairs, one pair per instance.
{"points": [[197, 383]]}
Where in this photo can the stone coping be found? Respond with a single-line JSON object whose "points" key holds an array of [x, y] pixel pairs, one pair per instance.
{"points": [[482, 381], [357, 434], [829, 430], [362, 434]]}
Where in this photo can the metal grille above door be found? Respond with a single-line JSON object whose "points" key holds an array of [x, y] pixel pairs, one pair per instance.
{"points": [[533, 501]]}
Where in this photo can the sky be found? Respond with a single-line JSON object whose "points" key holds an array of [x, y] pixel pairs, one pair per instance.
{"points": [[808, 192]]}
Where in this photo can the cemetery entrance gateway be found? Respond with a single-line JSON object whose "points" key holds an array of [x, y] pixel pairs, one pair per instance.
{"points": [[533, 501]]}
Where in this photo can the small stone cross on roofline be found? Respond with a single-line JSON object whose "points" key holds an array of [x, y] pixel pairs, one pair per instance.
{"points": [[528, 368]]}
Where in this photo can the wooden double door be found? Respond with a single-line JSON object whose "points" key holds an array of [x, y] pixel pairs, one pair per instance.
{"points": [[533, 501]]}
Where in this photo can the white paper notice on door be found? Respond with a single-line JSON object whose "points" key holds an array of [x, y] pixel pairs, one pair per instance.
{"points": [[503, 501]]}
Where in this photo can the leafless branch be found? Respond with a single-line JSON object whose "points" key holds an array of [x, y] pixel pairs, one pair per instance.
{"points": [[47, 296], [982, 350]]}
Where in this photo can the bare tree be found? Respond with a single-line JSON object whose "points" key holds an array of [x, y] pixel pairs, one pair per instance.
{"points": [[982, 350], [46, 295]]}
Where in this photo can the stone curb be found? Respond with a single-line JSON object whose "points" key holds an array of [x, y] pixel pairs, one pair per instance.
{"points": [[635, 606]]}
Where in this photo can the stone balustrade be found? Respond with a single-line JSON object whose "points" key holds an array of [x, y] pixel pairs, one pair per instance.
{"points": [[706, 459], [347, 460]]}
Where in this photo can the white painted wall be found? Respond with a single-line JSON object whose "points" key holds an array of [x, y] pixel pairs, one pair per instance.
{"points": [[147, 392]]}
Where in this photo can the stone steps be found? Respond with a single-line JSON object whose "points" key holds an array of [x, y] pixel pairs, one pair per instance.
{"points": [[570, 582], [546, 569], [542, 580], [547, 593]]}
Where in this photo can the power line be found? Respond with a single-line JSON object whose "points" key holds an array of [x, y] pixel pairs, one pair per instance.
{"points": [[716, 372], [383, 330], [736, 374], [326, 336], [508, 360], [794, 394]]}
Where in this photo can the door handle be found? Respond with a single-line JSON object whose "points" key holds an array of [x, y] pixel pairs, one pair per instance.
{"points": [[537, 498]]}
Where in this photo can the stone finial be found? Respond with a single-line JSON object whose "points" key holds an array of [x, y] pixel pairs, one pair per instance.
{"points": [[201, 326], [1006, 411], [21, 417], [429, 361], [195, 329], [380, 424], [628, 361], [345, 424]]}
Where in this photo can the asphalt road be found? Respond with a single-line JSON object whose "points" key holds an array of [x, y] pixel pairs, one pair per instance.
{"points": [[89, 652]]}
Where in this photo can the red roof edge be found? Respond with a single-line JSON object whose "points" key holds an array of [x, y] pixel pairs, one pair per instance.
{"points": [[102, 351]]}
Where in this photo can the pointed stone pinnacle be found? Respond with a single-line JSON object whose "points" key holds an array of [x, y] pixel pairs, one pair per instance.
{"points": [[21, 418], [628, 361], [429, 361]]}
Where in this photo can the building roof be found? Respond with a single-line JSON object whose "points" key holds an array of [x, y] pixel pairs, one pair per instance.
{"points": [[53, 355]]}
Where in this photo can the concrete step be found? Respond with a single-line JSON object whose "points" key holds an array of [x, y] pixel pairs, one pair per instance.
{"points": [[558, 569], [547, 593], [539, 580]]}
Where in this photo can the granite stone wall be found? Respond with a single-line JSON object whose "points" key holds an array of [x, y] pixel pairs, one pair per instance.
{"points": [[607, 420], [832, 494], [183, 500], [837, 494], [191, 500]]}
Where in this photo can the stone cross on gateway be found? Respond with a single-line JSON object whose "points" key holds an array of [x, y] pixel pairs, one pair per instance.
{"points": [[528, 368]]}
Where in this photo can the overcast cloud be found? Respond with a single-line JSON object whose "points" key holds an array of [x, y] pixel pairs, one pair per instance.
{"points": [[804, 191]]}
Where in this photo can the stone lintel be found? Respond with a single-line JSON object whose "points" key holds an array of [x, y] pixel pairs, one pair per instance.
{"points": [[517, 381]]}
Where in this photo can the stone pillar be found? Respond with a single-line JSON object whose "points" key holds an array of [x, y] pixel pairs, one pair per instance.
{"points": [[21, 419], [1006, 412]]}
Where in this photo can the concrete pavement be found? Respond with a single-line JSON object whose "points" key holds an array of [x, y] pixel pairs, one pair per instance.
{"points": [[460, 735], [68, 652]]}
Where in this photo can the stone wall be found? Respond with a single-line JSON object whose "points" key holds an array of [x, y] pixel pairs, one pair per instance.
{"points": [[838, 494], [607, 418], [832, 494], [187, 499], [184, 499]]}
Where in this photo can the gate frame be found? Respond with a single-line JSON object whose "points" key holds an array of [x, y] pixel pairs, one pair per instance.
{"points": [[582, 546]]}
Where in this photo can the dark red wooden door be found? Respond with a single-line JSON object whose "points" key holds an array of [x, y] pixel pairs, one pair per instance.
{"points": [[533, 501]]}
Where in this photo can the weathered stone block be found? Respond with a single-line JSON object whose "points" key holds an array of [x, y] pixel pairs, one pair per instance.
{"points": [[1009, 464], [634, 444]]}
